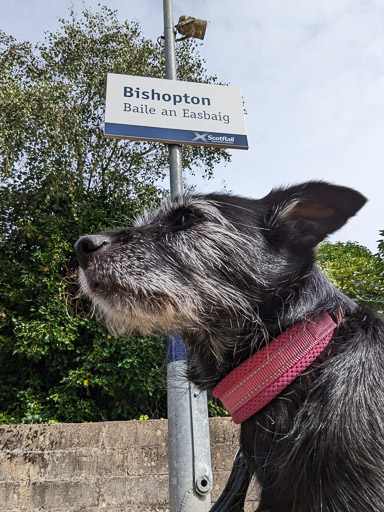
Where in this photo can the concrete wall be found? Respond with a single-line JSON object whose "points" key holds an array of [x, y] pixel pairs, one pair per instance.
{"points": [[111, 466]]}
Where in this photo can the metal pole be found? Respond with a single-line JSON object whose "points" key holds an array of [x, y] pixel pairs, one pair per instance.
{"points": [[190, 475]]}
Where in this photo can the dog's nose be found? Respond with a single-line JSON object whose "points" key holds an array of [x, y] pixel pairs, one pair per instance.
{"points": [[87, 246]]}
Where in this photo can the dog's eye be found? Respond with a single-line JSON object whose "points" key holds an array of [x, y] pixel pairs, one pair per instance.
{"points": [[185, 219]]}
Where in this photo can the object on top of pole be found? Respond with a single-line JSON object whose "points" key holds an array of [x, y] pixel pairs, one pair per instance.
{"points": [[191, 27]]}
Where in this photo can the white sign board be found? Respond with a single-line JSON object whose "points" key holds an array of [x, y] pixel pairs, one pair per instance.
{"points": [[174, 112]]}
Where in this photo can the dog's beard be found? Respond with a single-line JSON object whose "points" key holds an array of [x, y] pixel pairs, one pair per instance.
{"points": [[130, 312], [126, 319], [137, 310]]}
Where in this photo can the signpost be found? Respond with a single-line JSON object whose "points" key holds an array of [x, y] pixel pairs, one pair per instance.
{"points": [[175, 112]]}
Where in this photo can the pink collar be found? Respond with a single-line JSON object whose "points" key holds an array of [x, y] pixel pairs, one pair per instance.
{"points": [[259, 379]]}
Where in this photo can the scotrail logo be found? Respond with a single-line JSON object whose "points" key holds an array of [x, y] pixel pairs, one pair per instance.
{"points": [[212, 139], [202, 137]]}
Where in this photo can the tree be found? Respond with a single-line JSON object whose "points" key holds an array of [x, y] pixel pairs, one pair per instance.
{"points": [[62, 179], [355, 271]]}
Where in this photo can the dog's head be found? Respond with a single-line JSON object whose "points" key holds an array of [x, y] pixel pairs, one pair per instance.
{"points": [[211, 266]]}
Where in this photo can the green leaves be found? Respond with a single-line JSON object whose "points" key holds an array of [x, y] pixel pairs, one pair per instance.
{"points": [[381, 244], [355, 271]]}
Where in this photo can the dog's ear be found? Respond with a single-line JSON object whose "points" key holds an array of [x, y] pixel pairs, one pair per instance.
{"points": [[303, 215]]}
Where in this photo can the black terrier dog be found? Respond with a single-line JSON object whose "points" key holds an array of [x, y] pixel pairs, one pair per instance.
{"points": [[297, 363]]}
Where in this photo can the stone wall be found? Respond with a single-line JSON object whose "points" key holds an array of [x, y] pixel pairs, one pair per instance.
{"points": [[111, 466]]}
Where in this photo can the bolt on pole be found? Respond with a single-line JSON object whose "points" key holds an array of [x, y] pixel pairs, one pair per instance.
{"points": [[190, 475]]}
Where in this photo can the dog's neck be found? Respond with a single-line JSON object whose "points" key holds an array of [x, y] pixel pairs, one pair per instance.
{"points": [[205, 366], [316, 295]]}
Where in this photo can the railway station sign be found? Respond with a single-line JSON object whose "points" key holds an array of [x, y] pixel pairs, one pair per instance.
{"points": [[174, 112]]}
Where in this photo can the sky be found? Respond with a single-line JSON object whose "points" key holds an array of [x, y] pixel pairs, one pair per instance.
{"points": [[312, 79]]}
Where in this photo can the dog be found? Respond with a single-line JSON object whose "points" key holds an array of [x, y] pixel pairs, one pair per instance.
{"points": [[238, 278]]}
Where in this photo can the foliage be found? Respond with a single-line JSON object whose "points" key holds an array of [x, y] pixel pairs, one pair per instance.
{"points": [[381, 244], [62, 179], [355, 271]]}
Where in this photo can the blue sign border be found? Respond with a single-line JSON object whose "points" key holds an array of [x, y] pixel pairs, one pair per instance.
{"points": [[169, 136]]}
